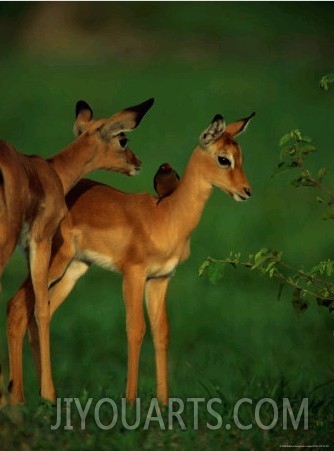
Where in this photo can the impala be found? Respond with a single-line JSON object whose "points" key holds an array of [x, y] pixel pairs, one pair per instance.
{"points": [[32, 202], [140, 238]]}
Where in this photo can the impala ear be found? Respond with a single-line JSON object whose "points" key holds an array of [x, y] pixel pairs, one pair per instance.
{"points": [[126, 120], [237, 127], [213, 132], [83, 114]]}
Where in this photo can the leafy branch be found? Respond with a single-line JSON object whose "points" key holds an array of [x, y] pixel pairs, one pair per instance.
{"points": [[309, 284], [295, 148], [306, 285]]}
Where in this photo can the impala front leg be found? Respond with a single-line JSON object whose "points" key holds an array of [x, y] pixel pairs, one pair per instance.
{"points": [[156, 306], [39, 263], [133, 293], [57, 295]]}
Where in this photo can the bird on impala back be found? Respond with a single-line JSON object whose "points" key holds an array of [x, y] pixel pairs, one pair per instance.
{"points": [[165, 181]]}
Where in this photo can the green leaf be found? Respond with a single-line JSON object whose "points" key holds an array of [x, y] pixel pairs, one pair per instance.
{"points": [[271, 268], [287, 151], [262, 256], [316, 269], [326, 80], [321, 174], [329, 268], [304, 138], [285, 139], [296, 135], [307, 148], [272, 272], [203, 267], [215, 272]]}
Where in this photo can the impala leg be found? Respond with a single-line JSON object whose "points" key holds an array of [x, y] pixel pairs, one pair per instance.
{"points": [[156, 307], [19, 309], [3, 399], [62, 253], [133, 292], [57, 295], [39, 262], [7, 246], [62, 288]]}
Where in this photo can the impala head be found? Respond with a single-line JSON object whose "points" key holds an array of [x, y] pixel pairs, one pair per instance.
{"points": [[108, 136], [223, 162]]}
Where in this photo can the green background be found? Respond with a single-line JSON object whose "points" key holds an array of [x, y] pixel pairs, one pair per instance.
{"points": [[197, 59]]}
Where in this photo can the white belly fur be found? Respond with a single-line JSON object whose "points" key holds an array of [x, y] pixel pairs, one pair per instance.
{"points": [[165, 269], [100, 260]]}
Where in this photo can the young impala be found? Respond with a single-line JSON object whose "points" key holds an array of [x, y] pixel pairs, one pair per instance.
{"points": [[135, 235], [32, 202]]}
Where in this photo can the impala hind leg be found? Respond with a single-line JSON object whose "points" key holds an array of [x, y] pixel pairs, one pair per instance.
{"points": [[156, 307], [19, 309], [8, 243], [133, 293], [7, 247], [3, 399]]}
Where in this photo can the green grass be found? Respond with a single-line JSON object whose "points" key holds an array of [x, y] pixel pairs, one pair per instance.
{"points": [[105, 427], [230, 340]]}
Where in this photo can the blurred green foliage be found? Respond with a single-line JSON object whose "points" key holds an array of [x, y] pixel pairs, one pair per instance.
{"points": [[197, 59]]}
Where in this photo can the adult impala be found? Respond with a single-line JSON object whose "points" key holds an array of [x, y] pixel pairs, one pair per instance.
{"points": [[32, 202], [139, 237]]}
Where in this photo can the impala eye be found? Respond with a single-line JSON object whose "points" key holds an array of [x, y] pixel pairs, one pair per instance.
{"points": [[224, 161], [123, 142]]}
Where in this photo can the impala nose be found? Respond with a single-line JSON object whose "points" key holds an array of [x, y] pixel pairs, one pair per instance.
{"points": [[248, 191]]}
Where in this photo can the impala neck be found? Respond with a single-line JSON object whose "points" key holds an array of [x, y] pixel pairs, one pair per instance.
{"points": [[187, 202], [74, 162]]}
